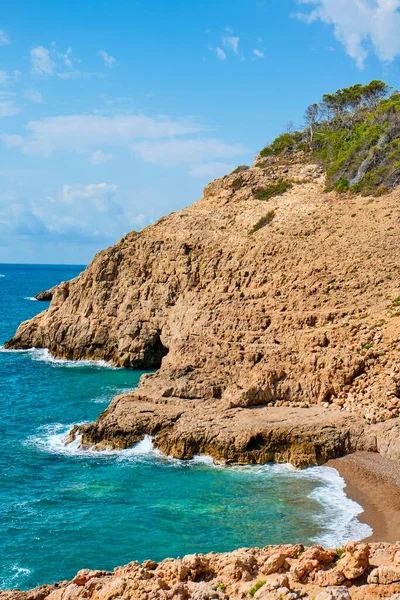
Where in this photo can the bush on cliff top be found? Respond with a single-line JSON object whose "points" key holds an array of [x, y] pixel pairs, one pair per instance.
{"points": [[355, 134]]}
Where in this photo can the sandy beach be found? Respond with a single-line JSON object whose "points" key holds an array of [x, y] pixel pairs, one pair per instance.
{"points": [[374, 482]]}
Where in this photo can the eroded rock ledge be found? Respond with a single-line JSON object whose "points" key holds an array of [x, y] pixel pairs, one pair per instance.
{"points": [[256, 435], [358, 571], [301, 315]]}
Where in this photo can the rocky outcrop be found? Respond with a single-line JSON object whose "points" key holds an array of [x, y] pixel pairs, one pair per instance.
{"points": [[248, 331], [358, 571], [46, 295]]}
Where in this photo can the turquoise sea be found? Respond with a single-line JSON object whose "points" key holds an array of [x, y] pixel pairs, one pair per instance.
{"points": [[63, 509]]}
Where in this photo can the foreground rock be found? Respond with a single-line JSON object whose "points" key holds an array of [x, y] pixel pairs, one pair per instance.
{"points": [[302, 314], [358, 571]]}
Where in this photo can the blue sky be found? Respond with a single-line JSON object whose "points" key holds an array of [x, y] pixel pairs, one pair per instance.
{"points": [[115, 112]]}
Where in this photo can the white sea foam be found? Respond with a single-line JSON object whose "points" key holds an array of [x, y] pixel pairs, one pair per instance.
{"points": [[43, 355], [54, 439], [106, 398], [33, 299], [2, 349], [341, 512], [15, 577]]}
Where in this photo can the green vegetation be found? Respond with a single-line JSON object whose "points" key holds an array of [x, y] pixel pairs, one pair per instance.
{"points": [[263, 221], [355, 134], [339, 554], [239, 168], [275, 189], [396, 301], [221, 587], [256, 587]]}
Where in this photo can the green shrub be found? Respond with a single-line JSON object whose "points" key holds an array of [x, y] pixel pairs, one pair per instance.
{"points": [[266, 220], [275, 189], [286, 141], [256, 587], [222, 587], [239, 168], [341, 186], [339, 554]]}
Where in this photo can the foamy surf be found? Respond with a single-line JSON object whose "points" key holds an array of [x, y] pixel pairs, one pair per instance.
{"points": [[342, 510], [54, 439], [16, 578], [106, 398], [31, 298], [43, 355]]}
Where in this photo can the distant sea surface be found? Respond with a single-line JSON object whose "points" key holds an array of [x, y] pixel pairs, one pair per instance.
{"points": [[63, 509]]}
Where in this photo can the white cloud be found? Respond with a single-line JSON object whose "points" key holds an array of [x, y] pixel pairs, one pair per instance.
{"points": [[3, 38], [79, 213], [258, 53], [8, 107], [48, 62], [41, 62], [34, 96], [7, 77], [211, 169], [220, 53], [109, 61], [87, 132], [187, 152], [358, 24], [99, 157], [231, 42]]}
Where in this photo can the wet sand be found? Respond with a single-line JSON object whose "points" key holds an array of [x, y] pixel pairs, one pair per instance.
{"points": [[373, 482]]}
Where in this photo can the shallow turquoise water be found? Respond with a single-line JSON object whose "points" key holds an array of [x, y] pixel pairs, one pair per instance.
{"points": [[63, 509]]}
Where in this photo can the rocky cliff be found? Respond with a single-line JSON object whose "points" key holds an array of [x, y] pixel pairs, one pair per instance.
{"points": [[273, 318]]}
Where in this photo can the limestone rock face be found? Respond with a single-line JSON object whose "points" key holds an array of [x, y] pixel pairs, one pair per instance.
{"points": [[302, 313]]}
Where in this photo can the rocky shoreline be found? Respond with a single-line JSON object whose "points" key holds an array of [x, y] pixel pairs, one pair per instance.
{"points": [[358, 571], [271, 343]]}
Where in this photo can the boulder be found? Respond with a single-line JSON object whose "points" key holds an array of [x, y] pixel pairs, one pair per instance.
{"points": [[328, 577], [385, 575], [334, 593], [313, 558], [354, 561], [273, 564]]}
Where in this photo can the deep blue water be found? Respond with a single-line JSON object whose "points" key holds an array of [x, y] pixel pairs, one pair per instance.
{"points": [[63, 509]]}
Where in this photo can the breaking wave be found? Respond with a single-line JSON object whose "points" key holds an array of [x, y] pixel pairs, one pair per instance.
{"points": [[43, 355], [16, 577]]}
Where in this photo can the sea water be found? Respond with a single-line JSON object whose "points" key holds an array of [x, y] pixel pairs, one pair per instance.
{"points": [[63, 509]]}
